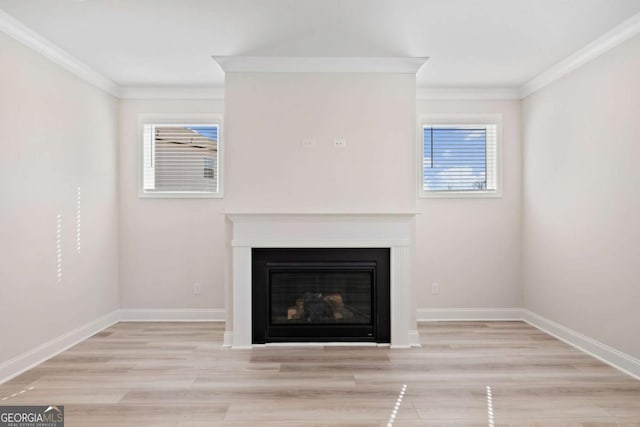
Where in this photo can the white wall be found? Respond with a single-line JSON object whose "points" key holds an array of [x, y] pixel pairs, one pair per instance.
{"points": [[582, 199], [472, 247], [58, 133], [268, 115], [166, 245]]}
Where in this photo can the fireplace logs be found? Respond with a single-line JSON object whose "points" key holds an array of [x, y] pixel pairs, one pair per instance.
{"points": [[316, 307]]}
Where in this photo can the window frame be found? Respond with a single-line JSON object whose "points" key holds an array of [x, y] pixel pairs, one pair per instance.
{"points": [[459, 120], [182, 119]]}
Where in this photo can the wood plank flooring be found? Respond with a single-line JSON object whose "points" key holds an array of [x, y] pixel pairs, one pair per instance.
{"points": [[178, 375]]}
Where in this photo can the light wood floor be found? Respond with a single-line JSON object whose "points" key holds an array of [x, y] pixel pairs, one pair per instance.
{"points": [[177, 375]]}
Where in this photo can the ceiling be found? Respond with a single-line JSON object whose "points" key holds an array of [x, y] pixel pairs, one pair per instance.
{"points": [[470, 43]]}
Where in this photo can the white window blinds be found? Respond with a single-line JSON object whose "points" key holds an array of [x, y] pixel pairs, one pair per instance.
{"points": [[459, 158], [180, 158]]}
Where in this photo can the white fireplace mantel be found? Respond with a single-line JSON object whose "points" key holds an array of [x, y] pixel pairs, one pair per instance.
{"points": [[316, 230]]}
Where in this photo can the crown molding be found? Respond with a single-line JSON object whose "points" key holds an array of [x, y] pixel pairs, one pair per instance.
{"points": [[602, 44], [291, 64], [17, 30], [429, 93], [204, 92]]}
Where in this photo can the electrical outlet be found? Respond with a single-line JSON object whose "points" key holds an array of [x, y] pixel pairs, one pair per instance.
{"points": [[339, 142], [197, 288], [435, 288]]}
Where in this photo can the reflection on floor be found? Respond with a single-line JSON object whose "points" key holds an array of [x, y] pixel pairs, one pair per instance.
{"points": [[465, 374]]}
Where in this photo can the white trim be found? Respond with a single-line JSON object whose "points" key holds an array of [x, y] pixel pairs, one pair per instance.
{"points": [[182, 118], [329, 243], [21, 33], [172, 315], [462, 120], [171, 92], [298, 64], [602, 44], [467, 314], [241, 284], [615, 358], [400, 272], [17, 30], [609, 40], [414, 338], [609, 355], [180, 195], [320, 344], [470, 93], [218, 93], [320, 230], [29, 359], [227, 340], [252, 216]]}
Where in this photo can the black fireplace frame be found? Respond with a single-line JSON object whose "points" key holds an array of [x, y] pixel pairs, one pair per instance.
{"points": [[268, 260]]}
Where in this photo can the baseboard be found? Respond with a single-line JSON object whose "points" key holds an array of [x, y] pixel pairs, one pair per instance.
{"points": [[414, 338], [27, 360], [615, 358], [227, 340], [467, 314], [51, 348], [172, 315], [619, 360]]}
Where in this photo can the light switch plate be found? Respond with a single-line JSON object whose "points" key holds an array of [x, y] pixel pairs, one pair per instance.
{"points": [[308, 143]]}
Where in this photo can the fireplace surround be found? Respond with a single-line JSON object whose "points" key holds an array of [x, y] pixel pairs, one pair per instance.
{"points": [[390, 231]]}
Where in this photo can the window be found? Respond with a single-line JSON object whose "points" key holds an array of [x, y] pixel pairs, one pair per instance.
{"points": [[181, 157], [459, 157]]}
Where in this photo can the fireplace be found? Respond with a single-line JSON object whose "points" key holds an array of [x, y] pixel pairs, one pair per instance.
{"points": [[304, 233], [320, 295]]}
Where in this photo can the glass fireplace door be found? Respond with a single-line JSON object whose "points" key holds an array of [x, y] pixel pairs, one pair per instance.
{"points": [[321, 296]]}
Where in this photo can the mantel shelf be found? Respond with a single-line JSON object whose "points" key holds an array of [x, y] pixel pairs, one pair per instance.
{"points": [[311, 213]]}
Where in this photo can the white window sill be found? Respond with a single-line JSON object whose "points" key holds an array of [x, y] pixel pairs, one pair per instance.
{"points": [[179, 195], [460, 195]]}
